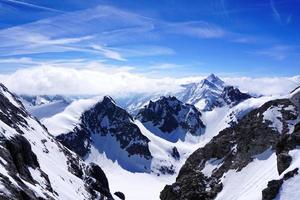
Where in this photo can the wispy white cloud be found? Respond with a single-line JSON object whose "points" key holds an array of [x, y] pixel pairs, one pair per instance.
{"points": [[277, 52], [109, 53], [280, 18], [196, 29], [31, 5], [276, 14], [104, 30], [164, 66]]}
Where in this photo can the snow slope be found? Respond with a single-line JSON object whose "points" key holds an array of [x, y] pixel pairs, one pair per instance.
{"points": [[51, 172]]}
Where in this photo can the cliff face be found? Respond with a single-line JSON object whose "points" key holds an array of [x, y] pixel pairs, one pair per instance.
{"points": [[33, 165], [263, 137]]}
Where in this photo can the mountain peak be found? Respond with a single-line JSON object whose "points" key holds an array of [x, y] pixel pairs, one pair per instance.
{"points": [[173, 118], [108, 99], [214, 79]]}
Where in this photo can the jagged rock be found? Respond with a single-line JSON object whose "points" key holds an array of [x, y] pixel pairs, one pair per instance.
{"points": [[37, 167], [274, 186], [283, 162], [96, 181], [233, 96], [12, 115], [236, 147], [79, 142], [272, 190], [284, 145], [175, 154], [120, 195], [107, 120], [172, 117], [18, 157], [167, 169]]}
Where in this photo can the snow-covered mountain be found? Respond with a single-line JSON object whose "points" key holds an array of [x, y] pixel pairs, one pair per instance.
{"points": [[258, 158], [211, 92], [206, 94], [171, 119], [33, 165], [107, 128]]}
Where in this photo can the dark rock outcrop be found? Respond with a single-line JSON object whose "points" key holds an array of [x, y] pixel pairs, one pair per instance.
{"points": [[236, 147], [121, 195], [274, 186], [169, 114], [96, 181], [175, 154], [232, 96], [18, 157]]}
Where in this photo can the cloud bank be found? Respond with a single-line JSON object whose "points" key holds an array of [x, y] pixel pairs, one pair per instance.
{"points": [[98, 79]]}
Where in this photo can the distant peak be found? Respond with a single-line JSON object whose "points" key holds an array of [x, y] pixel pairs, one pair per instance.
{"points": [[108, 99], [169, 98], [212, 76], [214, 79]]}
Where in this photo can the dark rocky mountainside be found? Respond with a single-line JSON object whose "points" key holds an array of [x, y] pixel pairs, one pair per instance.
{"points": [[269, 130], [170, 115], [33, 165], [106, 123], [232, 96]]}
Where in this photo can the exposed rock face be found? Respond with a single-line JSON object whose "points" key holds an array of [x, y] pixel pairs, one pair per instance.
{"points": [[210, 93], [233, 96], [96, 181], [18, 157], [235, 148], [274, 186], [120, 195], [170, 115], [13, 115], [175, 154], [107, 121], [33, 165], [295, 97]]}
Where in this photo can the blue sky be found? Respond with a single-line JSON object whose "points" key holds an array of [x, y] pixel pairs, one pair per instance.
{"points": [[166, 37]]}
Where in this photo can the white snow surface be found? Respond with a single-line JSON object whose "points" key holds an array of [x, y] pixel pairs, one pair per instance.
{"points": [[248, 183], [53, 162], [65, 121], [274, 116], [291, 189]]}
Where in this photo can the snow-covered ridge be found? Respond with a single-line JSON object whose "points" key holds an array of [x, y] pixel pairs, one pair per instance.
{"points": [[33, 165]]}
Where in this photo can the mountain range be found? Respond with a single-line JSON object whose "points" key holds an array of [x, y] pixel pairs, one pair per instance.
{"points": [[207, 141]]}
